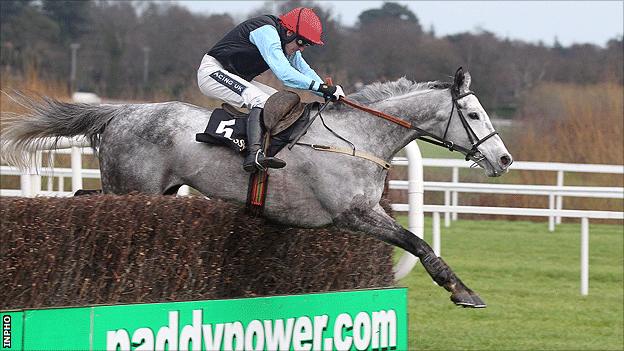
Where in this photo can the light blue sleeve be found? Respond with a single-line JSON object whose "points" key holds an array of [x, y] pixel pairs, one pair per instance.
{"points": [[302, 66], [268, 42]]}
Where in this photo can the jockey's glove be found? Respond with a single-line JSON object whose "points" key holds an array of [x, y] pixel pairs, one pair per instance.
{"points": [[333, 92]]}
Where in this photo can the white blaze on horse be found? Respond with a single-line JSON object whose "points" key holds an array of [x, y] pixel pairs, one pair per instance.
{"points": [[151, 148]]}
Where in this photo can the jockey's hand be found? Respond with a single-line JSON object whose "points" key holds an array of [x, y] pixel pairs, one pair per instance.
{"points": [[333, 92]]}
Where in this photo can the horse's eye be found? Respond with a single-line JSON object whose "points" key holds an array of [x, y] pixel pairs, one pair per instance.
{"points": [[473, 115]]}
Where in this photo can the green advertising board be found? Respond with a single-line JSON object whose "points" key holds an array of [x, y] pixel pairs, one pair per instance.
{"points": [[349, 320]]}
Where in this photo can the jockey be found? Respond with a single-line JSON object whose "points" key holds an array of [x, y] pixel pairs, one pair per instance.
{"points": [[254, 46]]}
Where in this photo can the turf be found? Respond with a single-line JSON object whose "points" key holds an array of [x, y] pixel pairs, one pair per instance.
{"points": [[530, 279], [432, 151]]}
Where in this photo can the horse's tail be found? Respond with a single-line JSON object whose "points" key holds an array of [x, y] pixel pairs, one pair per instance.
{"points": [[46, 122]]}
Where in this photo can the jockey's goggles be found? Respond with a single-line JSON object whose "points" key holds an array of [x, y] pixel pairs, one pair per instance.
{"points": [[302, 42]]}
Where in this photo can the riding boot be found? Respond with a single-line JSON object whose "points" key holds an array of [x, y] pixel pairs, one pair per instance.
{"points": [[255, 159]]}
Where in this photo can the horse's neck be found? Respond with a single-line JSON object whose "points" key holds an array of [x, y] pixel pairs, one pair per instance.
{"points": [[380, 136]]}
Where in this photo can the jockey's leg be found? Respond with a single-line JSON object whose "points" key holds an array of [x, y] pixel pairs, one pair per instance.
{"points": [[255, 159], [265, 88], [214, 81]]}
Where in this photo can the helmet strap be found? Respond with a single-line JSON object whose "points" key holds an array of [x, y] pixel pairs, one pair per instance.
{"points": [[294, 36], [298, 20], [290, 37]]}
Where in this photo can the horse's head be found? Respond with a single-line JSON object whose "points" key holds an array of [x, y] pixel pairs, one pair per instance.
{"points": [[467, 128]]}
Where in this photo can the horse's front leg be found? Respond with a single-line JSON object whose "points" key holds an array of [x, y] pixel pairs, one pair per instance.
{"points": [[379, 224]]}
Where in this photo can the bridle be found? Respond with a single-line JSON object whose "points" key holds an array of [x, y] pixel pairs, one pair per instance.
{"points": [[472, 136], [432, 138]]}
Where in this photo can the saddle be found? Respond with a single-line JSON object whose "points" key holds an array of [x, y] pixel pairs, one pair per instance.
{"points": [[284, 116]]}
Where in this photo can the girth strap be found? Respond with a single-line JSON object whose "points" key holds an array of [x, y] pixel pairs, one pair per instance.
{"points": [[350, 152]]}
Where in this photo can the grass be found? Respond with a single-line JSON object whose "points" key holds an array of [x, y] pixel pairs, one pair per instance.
{"points": [[530, 279], [428, 150]]}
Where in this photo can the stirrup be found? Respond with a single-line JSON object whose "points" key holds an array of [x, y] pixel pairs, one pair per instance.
{"points": [[258, 165]]}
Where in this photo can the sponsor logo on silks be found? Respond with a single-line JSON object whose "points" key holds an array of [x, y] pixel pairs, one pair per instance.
{"points": [[361, 331], [228, 82]]}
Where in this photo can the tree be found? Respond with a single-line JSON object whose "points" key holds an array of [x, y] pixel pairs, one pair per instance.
{"points": [[178, 50], [12, 8], [386, 45], [613, 69], [106, 46], [28, 38], [389, 11], [72, 17]]}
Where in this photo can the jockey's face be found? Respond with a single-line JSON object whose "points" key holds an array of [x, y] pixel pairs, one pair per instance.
{"points": [[293, 47]]}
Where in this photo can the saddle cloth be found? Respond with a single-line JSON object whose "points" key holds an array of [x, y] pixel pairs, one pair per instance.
{"points": [[284, 116]]}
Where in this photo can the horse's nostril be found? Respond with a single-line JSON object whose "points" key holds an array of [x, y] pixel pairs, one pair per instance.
{"points": [[505, 161]]}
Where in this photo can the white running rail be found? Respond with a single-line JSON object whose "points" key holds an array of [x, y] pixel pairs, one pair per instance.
{"points": [[30, 180], [451, 196]]}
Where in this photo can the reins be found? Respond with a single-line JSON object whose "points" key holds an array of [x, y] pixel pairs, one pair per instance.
{"points": [[422, 134], [351, 151], [429, 137], [403, 123]]}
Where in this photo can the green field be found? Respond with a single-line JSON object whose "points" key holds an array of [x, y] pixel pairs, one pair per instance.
{"points": [[428, 150], [530, 279]]}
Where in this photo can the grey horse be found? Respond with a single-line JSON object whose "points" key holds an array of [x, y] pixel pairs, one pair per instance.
{"points": [[151, 148]]}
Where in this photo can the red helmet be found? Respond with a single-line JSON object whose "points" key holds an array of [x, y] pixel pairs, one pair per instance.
{"points": [[305, 23]]}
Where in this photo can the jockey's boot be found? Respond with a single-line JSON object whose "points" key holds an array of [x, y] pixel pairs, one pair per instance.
{"points": [[256, 160]]}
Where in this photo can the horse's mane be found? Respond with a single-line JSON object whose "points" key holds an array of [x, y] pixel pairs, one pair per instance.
{"points": [[377, 91]]}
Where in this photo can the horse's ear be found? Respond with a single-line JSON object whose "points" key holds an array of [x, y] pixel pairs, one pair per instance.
{"points": [[459, 79], [462, 81], [467, 81]]}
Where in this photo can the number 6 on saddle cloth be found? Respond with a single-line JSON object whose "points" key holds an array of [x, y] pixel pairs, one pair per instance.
{"points": [[283, 117]]}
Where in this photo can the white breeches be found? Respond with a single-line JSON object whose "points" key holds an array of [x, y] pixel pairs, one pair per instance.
{"points": [[215, 82]]}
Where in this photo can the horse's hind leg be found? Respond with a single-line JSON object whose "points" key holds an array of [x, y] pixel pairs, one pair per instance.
{"points": [[123, 178], [377, 223]]}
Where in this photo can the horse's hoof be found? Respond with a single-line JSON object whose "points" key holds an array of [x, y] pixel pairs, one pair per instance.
{"points": [[462, 299], [468, 300], [478, 303]]}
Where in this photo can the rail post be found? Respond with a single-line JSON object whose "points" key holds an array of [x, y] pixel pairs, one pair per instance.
{"points": [[436, 234], [30, 181], [584, 256], [26, 185], [551, 218], [416, 217], [50, 185], [447, 215], [36, 177], [455, 200], [559, 197], [76, 166]]}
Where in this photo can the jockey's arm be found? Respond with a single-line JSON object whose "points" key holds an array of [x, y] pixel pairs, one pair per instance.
{"points": [[297, 61], [268, 42]]}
